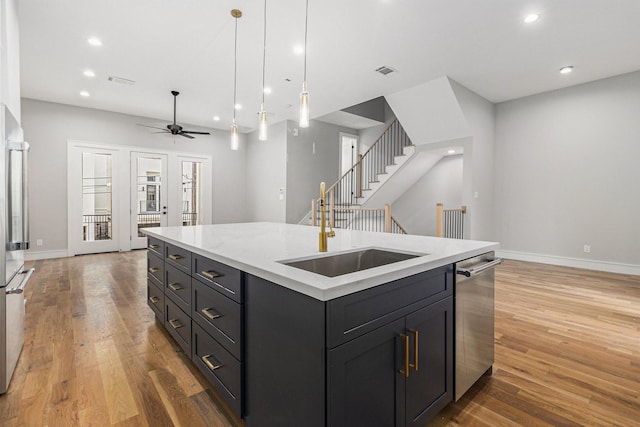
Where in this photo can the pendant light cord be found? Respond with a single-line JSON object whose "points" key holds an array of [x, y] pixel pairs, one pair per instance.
{"points": [[306, 19], [264, 48], [235, 70]]}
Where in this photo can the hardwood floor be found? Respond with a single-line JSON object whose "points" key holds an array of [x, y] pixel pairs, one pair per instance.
{"points": [[567, 352]]}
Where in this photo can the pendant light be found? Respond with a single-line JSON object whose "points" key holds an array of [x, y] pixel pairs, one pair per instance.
{"points": [[235, 143], [262, 115], [304, 95]]}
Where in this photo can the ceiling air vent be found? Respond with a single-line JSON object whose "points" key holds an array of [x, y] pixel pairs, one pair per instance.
{"points": [[384, 70], [121, 80]]}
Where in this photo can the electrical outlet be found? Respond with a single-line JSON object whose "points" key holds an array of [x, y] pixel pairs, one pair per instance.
{"points": [[587, 249], [39, 242]]}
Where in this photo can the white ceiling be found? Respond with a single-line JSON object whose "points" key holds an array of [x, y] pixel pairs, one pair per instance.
{"points": [[187, 45]]}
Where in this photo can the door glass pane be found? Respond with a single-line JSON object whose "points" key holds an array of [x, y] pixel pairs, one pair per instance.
{"points": [[191, 193], [96, 197], [149, 182]]}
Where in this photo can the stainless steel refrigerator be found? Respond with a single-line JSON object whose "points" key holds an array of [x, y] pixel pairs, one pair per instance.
{"points": [[14, 231]]}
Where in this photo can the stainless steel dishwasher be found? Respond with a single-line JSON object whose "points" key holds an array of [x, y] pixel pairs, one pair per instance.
{"points": [[474, 312]]}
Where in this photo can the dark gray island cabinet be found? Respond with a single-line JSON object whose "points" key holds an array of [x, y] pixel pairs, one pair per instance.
{"points": [[381, 356]]}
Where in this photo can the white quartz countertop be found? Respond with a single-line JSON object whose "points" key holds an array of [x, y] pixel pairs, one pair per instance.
{"points": [[257, 247]]}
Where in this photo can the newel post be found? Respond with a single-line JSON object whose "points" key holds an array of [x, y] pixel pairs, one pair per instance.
{"points": [[439, 212], [387, 218]]}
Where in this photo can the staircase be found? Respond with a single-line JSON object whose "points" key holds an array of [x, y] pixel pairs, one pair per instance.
{"points": [[347, 197]]}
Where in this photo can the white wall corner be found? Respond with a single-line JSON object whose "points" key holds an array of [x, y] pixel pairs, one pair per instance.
{"points": [[430, 112]]}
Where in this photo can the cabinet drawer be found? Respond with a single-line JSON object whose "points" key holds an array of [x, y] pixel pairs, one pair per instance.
{"points": [[155, 267], [224, 279], [155, 299], [222, 370], [155, 245], [178, 323], [219, 316], [353, 315], [178, 287], [178, 257]]}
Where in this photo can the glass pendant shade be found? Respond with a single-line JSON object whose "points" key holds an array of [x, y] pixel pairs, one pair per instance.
{"points": [[235, 143], [304, 107], [262, 126]]}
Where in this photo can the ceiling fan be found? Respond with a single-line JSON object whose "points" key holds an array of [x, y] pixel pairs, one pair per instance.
{"points": [[174, 128]]}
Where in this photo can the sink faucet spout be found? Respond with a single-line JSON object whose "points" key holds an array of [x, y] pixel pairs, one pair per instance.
{"points": [[324, 234]]}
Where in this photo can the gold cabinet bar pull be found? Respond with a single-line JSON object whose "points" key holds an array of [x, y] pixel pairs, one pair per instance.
{"points": [[414, 365], [154, 300], [175, 287], [152, 246], [175, 257], [405, 372], [210, 365], [175, 324], [153, 270], [209, 314], [210, 274]]}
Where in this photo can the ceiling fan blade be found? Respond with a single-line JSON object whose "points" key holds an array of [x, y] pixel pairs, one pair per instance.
{"points": [[152, 127], [186, 136], [195, 132]]}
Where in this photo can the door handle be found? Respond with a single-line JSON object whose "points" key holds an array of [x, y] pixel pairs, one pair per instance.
{"points": [[175, 324], [152, 246], [414, 365], [153, 270], [405, 371], [154, 300], [210, 274]]}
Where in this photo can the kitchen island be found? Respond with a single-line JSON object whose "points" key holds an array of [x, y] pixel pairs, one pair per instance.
{"points": [[285, 346]]}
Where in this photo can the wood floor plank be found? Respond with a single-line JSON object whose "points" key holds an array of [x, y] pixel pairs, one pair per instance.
{"points": [[120, 401]]}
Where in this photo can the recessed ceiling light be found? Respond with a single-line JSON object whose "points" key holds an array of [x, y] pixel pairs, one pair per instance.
{"points": [[89, 73], [451, 152], [567, 69], [267, 90], [298, 49], [238, 107], [85, 93], [216, 118], [531, 18], [94, 41]]}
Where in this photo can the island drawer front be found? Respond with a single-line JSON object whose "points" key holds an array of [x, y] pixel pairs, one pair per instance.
{"points": [[178, 323], [219, 316], [155, 299], [155, 245], [178, 257], [224, 279], [155, 267], [178, 287], [353, 315], [223, 371]]}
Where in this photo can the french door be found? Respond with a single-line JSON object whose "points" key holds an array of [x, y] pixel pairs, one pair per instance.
{"points": [[149, 194], [114, 191], [94, 195]]}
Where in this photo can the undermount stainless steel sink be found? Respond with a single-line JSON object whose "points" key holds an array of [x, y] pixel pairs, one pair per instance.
{"points": [[350, 262]]}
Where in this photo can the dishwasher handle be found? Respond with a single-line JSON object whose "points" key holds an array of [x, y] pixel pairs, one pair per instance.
{"points": [[469, 272]]}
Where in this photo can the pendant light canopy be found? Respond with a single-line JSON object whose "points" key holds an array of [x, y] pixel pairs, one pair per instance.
{"points": [[262, 115], [235, 143], [304, 95]]}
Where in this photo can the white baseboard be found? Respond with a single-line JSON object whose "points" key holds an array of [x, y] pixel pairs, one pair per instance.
{"points": [[36, 255], [612, 267]]}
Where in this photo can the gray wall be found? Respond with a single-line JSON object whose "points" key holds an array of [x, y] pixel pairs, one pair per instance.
{"points": [[306, 169], [267, 174], [415, 210], [478, 180], [48, 126], [567, 172]]}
